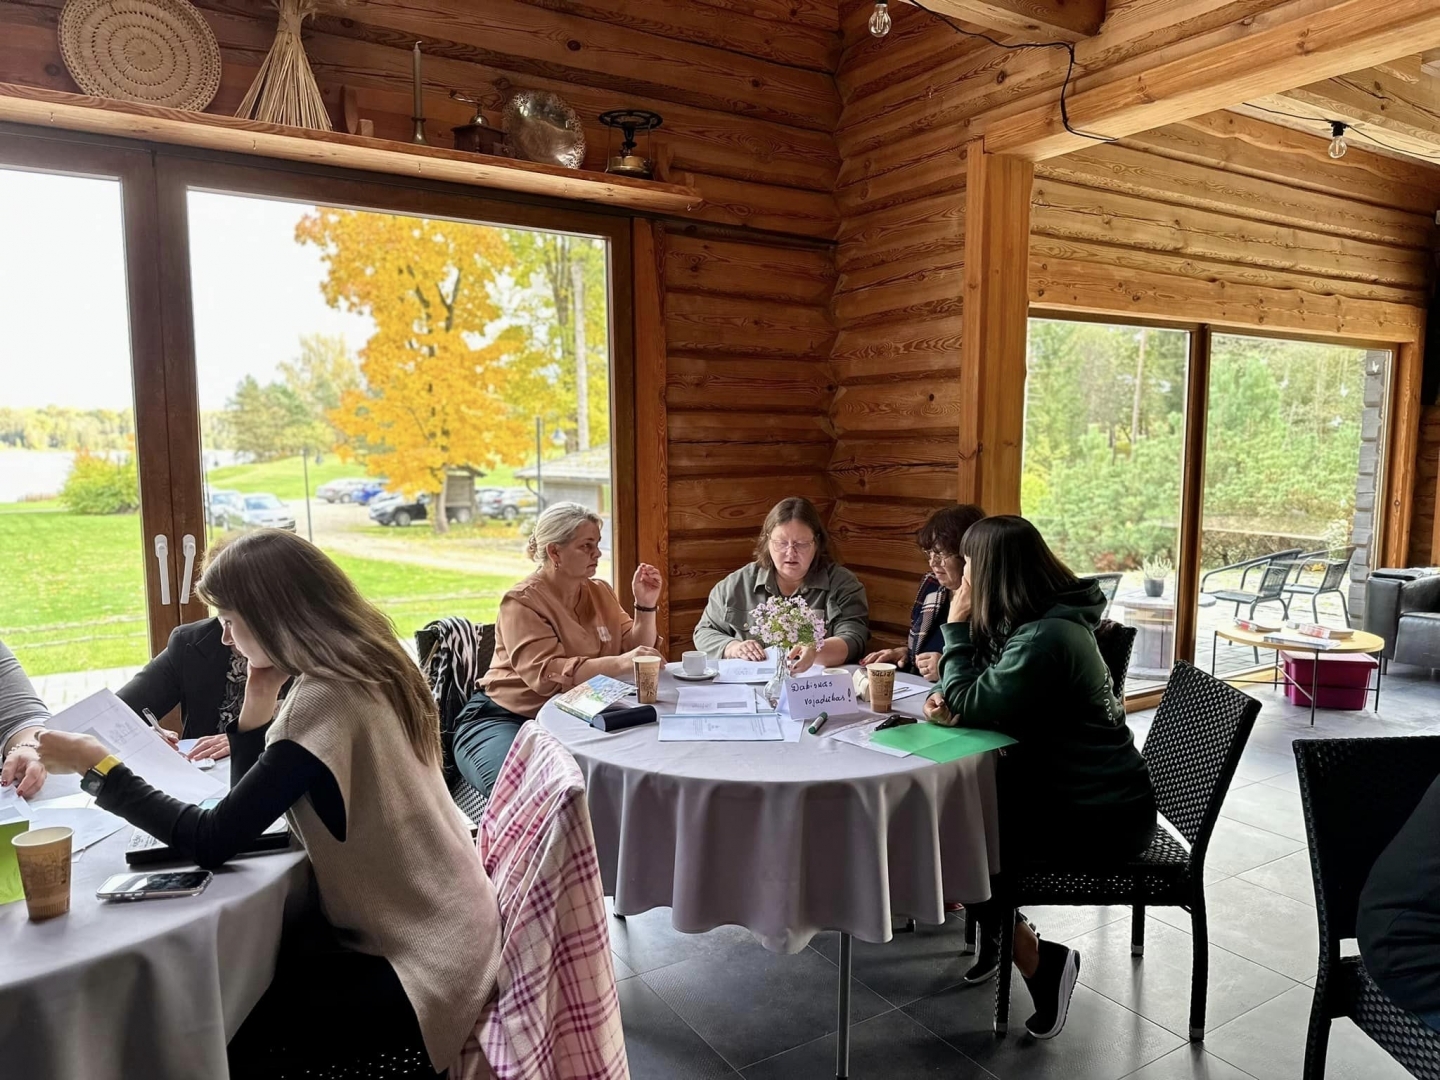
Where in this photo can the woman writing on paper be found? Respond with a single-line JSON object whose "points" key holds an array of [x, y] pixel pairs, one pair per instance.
{"points": [[1020, 658], [557, 628], [353, 760], [940, 538], [792, 558]]}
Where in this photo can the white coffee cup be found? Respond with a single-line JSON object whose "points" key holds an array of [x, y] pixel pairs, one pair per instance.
{"points": [[693, 662]]}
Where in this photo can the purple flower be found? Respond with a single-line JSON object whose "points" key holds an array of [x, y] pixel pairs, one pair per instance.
{"points": [[787, 621]]}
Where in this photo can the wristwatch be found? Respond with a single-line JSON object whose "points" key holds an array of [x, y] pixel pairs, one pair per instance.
{"points": [[94, 780]]}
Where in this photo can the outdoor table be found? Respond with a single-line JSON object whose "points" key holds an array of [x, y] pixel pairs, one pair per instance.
{"points": [[154, 988], [1362, 641], [1153, 618], [785, 839]]}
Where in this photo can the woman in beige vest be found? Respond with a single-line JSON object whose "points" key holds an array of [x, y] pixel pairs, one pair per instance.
{"points": [[353, 760]]}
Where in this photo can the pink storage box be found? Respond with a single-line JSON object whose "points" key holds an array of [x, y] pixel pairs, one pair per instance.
{"points": [[1344, 679]]}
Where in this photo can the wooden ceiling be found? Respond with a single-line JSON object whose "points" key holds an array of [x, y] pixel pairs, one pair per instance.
{"points": [[1393, 108]]}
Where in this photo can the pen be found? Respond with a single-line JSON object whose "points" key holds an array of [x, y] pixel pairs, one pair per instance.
{"points": [[819, 723], [150, 718]]}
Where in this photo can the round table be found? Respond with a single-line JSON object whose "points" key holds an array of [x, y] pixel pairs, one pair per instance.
{"points": [[153, 989], [785, 839], [1361, 641]]}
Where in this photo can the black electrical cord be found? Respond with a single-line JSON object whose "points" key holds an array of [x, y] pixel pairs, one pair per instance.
{"points": [[1348, 126], [1069, 67]]}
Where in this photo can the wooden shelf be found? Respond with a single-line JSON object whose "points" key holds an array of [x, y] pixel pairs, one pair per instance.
{"points": [[103, 116]]}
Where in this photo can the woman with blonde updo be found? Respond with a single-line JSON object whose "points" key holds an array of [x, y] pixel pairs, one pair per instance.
{"points": [[555, 629]]}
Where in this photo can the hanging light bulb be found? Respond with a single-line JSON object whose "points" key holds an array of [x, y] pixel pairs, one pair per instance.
{"points": [[1338, 146], [880, 18]]}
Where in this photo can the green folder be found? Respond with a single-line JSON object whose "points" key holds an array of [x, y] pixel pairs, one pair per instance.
{"points": [[10, 888], [940, 744]]}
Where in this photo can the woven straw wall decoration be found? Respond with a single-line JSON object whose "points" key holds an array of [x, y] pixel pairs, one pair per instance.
{"points": [[158, 52], [284, 90]]}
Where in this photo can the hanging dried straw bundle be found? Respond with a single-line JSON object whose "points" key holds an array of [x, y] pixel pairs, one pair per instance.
{"points": [[284, 92]]}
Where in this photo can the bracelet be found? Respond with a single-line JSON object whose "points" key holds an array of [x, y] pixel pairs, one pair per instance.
{"points": [[19, 745], [647, 610]]}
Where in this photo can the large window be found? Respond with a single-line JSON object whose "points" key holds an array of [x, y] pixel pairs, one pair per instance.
{"points": [[1285, 484]]}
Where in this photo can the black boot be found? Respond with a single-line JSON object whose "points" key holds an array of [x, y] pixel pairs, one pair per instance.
{"points": [[987, 962], [1051, 988]]}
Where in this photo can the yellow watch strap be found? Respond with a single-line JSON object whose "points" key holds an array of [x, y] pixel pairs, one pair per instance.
{"points": [[106, 764]]}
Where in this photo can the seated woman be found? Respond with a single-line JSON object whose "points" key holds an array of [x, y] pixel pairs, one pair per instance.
{"points": [[205, 677], [353, 760], [22, 715], [555, 629], [1020, 658], [940, 538], [792, 558]]}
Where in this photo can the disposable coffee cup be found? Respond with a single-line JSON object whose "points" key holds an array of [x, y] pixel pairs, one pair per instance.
{"points": [[693, 663], [647, 679], [44, 858], [882, 685]]}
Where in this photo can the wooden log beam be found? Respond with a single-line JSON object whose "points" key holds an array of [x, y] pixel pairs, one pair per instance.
{"points": [[651, 468], [1068, 20], [1288, 46], [992, 343]]}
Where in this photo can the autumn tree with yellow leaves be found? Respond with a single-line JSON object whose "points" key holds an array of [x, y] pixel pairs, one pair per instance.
{"points": [[442, 370]]}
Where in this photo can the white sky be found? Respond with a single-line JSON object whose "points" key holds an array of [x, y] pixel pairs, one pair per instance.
{"points": [[64, 337]]}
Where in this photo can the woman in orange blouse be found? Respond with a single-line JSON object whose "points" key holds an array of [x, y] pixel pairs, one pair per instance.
{"points": [[555, 629]]}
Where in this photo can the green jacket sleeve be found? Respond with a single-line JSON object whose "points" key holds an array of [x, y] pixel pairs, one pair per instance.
{"points": [[1009, 696], [714, 630], [848, 616]]}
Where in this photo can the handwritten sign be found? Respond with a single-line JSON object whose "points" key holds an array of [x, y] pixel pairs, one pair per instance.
{"points": [[806, 699]]}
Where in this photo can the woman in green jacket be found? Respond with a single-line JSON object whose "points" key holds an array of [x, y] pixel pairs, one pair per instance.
{"points": [[1020, 658]]}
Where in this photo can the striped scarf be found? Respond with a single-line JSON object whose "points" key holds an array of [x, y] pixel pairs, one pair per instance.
{"points": [[931, 603]]}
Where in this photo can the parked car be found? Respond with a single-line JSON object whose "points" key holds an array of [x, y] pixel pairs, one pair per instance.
{"points": [[372, 490], [256, 511], [224, 506], [509, 503], [398, 510], [343, 490]]}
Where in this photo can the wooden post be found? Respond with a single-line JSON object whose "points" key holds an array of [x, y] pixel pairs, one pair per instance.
{"points": [[1392, 520], [993, 329], [651, 425]]}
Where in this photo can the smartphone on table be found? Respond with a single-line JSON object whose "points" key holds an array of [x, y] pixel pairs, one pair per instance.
{"points": [[162, 885]]}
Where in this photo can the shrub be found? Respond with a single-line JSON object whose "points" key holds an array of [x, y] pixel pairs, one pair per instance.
{"points": [[97, 485]]}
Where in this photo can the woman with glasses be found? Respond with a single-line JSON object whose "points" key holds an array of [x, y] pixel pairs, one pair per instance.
{"points": [[940, 539], [792, 558]]}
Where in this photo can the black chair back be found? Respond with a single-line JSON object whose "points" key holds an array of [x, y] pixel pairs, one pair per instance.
{"points": [[1335, 571], [1194, 745], [1356, 794], [1109, 584], [1116, 641], [1272, 584], [454, 654]]}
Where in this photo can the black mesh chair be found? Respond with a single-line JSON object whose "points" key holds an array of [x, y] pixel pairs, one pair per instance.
{"points": [[454, 653], [1357, 793], [1333, 573], [1194, 745], [1109, 584]]}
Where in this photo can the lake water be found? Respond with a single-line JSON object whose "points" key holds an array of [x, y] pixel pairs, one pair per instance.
{"points": [[35, 473]]}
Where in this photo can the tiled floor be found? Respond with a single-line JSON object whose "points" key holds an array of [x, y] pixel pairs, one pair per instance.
{"points": [[718, 1005]]}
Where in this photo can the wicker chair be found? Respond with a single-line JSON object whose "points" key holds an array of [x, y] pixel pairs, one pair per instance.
{"points": [[1194, 745], [454, 654], [1357, 793]]}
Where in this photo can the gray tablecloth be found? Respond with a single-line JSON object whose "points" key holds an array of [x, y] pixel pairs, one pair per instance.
{"points": [[785, 839], [154, 989]]}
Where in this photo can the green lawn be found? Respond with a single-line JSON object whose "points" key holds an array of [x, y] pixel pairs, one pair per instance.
{"points": [[72, 594], [285, 478]]}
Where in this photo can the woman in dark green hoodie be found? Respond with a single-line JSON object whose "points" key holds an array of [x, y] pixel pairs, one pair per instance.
{"points": [[1020, 658]]}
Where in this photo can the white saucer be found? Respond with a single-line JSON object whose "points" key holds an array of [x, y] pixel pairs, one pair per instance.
{"points": [[679, 672]]}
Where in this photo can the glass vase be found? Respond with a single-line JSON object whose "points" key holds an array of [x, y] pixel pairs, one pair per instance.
{"points": [[776, 685]]}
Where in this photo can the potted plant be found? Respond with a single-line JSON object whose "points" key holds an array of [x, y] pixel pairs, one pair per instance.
{"points": [[1156, 569], [782, 622]]}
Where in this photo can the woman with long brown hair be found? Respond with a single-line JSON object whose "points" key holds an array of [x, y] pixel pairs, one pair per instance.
{"points": [[1020, 658], [353, 760], [792, 558]]}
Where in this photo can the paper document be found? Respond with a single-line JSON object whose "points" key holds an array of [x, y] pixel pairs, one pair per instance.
{"points": [[859, 735], [754, 727], [745, 671], [12, 807], [134, 742], [905, 689], [91, 825], [714, 700], [186, 745]]}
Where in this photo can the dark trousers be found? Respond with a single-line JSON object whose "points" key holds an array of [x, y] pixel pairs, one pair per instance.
{"points": [[483, 734], [330, 1012]]}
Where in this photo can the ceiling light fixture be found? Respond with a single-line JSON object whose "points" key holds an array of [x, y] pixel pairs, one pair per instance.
{"points": [[880, 18], [1338, 146]]}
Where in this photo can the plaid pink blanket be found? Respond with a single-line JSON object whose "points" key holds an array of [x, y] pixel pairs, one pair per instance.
{"points": [[556, 1015]]}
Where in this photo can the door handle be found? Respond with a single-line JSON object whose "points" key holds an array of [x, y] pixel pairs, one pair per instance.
{"points": [[162, 551], [187, 545]]}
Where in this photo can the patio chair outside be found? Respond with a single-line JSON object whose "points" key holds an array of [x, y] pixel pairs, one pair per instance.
{"points": [[1332, 580], [1356, 794], [1109, 585], [1275, 571]]}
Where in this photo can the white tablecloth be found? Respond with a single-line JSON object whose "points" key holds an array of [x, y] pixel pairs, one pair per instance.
{"points": [[153, 989], [785, 839]]}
